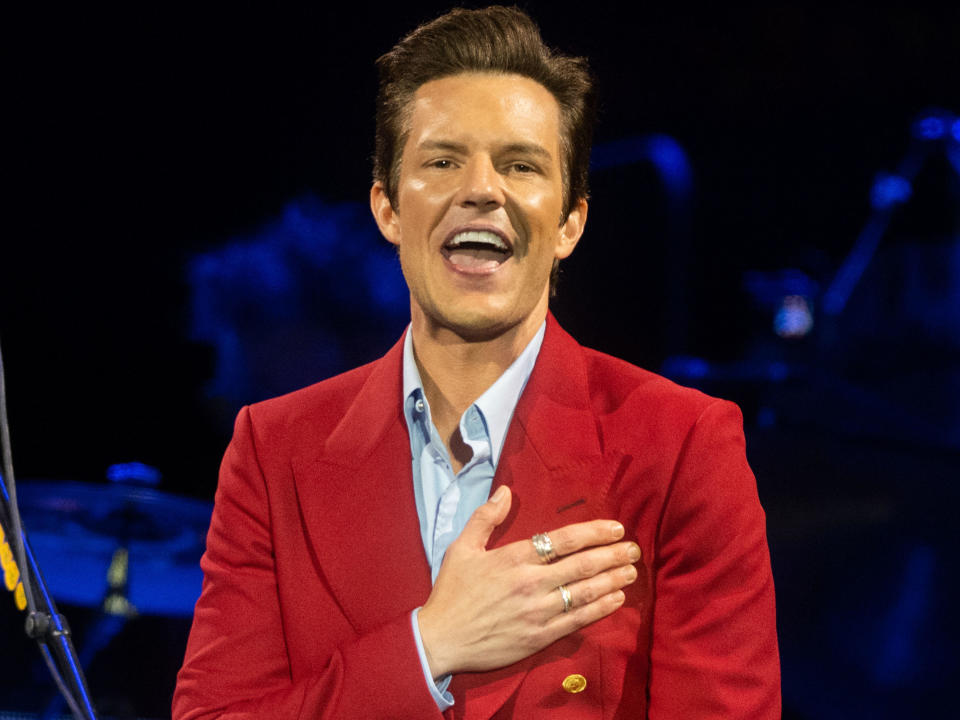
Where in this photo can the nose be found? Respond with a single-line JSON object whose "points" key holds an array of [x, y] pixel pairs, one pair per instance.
{"points": [[481, 185]]}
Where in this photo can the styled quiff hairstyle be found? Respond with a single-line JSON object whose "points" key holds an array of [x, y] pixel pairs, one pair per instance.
{"points": [[496, 39]]}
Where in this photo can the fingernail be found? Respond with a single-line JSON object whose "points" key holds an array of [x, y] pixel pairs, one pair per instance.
{"points": [[633, 553], [619, 597], [616, 529], [499, 494], [630, 573]]}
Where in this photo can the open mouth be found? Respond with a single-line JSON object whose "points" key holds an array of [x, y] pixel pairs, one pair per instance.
{"points": [[477, 250]]}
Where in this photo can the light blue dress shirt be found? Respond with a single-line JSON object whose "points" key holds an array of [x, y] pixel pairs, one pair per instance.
{"points": [[446, 501]]}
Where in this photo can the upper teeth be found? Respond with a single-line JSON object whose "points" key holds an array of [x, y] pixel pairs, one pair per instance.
{"points": [[478, 236]]}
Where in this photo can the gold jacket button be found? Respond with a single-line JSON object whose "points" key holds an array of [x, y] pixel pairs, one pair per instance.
{"points": [[574, 683]]}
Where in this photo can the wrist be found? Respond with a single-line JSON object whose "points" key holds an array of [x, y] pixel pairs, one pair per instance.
{"points": [[432, 649]]}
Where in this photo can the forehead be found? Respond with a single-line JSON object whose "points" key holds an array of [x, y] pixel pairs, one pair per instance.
{"points": [[485, 108]]}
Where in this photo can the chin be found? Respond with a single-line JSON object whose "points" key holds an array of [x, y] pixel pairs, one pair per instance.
{"points": [[476, 324], [478, 327]]}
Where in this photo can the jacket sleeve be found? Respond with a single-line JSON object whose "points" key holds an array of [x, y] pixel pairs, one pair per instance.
{"points": [[238, 663], [714, 644]]}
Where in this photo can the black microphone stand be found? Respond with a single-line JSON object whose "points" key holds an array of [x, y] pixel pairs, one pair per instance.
{"points": [[22, 577]]}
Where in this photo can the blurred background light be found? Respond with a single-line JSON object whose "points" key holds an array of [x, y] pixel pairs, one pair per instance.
{"points": [[134, 473], [664, 152], [305, 296], [889, 190], [794, 319], [930, 127]]}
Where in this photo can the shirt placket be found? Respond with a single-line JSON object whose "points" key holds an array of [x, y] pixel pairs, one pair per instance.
{"points": [[446, 527]]}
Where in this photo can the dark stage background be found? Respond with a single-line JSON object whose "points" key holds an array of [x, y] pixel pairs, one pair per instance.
{"points": [[185, 232]]}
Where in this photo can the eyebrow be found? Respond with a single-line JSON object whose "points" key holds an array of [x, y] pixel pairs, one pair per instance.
{"points": [[520, 148], [528, 149], [444, 145]]}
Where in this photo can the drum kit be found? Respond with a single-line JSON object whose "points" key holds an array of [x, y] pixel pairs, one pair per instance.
{"points": [[131, 550], [120, 549]]}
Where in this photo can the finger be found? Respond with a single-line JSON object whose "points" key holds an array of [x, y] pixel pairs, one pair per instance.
{"points": [[476, 533], [562, 623], [592, 589], [572, 538], [593, 561]]}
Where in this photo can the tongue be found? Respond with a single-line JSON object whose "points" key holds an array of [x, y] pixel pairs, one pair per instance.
{"points": [[476, 258]]}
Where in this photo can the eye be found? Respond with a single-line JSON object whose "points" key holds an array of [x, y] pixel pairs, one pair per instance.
{"points": [[441, 164], [522, 167]]}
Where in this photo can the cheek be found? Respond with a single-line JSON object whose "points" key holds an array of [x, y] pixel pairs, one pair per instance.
{"points": [[545, 212], [420, 202], [534, 213], [544, 207]]}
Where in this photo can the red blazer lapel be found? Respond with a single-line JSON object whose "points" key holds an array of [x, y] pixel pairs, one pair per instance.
{"points": [[554, 464], [553, 458], [357, 504]]}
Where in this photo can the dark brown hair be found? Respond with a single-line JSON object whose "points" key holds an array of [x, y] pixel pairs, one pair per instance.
{"points": [[496, 39]]}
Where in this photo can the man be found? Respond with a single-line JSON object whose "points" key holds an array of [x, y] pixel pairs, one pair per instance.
{"points": [[357, 565]]}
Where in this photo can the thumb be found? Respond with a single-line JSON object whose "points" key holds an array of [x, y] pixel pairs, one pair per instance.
{"points": [[476, 533]]}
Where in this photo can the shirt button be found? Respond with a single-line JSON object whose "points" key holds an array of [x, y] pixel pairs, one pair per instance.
{"points": [[419, 405], [574, 683]]}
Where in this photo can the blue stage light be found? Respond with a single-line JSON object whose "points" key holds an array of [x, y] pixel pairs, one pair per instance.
{"points": [[889, 190], [671, 159], [955, 130], [664, 152], [314, 284], [135, 473], [686, 367], [794, 319], [930, 127]]}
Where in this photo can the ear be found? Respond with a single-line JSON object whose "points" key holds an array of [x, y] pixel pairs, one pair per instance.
{"points": [[571, 230], [387, 219]]}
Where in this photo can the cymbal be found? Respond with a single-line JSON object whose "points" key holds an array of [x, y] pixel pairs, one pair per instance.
{"points": [[75, 528]]}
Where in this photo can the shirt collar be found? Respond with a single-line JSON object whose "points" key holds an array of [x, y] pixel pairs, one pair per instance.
{"points": [[497, 404]]}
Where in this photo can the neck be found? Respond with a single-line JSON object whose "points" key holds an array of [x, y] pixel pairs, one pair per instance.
{"points": [[455, 371]]}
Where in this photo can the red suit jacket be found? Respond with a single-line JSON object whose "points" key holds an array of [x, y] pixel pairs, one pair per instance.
{"points": [[314, 559]]}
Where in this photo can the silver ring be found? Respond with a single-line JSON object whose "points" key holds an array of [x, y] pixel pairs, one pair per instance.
{"points": [[567, 598], [544, 547]]}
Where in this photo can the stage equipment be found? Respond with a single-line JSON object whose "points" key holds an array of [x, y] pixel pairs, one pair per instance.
{"points": [[127, 550], [22, 576], [853, 430], [140, 546], [890, 191]]}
